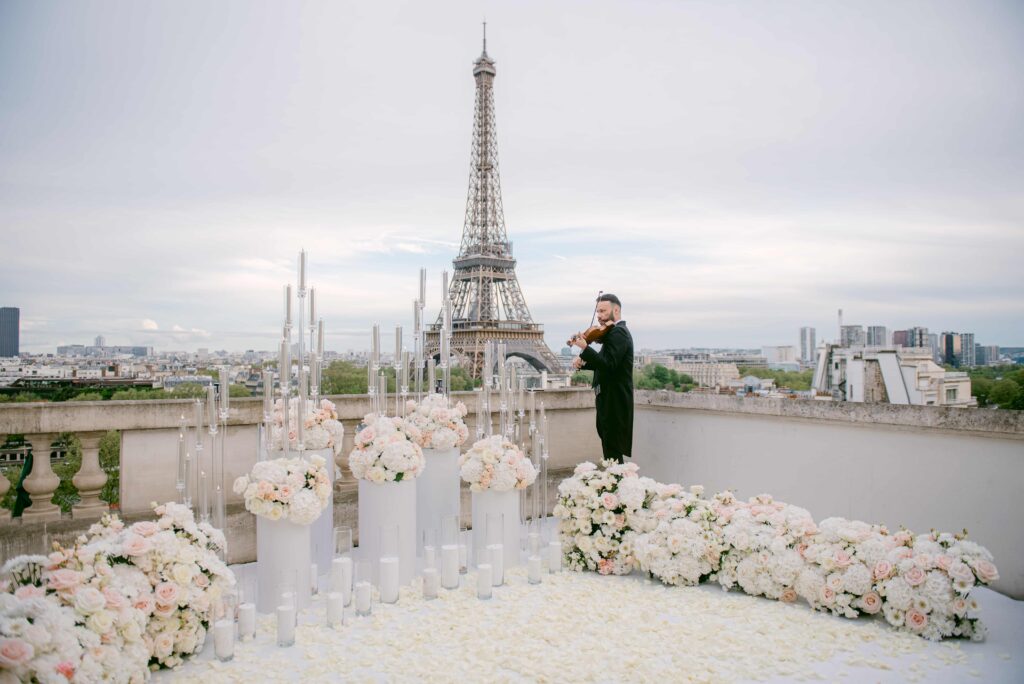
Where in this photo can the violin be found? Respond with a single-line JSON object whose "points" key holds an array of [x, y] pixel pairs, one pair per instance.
{"points": [[595, 333]]}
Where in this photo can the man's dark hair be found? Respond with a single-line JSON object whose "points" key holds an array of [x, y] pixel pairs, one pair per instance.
{"points": [[610, 298]]}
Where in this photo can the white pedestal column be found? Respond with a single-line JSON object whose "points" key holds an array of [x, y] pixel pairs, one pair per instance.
{"points": [[281, 546], [437, 491], [321, 531], [506, 503], [381, 505]]}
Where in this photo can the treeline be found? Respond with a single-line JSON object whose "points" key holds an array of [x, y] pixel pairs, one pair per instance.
{"points": [[653, 376], [184, 391], [794, 380], [998, 386]]}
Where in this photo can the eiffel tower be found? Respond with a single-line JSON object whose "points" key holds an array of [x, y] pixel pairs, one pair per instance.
{"points": [[487, 304]]}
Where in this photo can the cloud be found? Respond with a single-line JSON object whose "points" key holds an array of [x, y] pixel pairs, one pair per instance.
{"points": [[149, 324]]}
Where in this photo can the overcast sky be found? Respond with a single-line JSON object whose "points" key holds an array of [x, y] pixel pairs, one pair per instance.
{"points": [[732, 170]]}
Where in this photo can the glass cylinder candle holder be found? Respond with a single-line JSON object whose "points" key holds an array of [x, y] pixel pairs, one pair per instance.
{"points": [[363, 591]]}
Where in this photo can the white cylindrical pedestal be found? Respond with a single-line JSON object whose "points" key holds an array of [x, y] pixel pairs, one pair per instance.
{"points": [[437, 491], [281, 546], [381, 505], [506, 503], [321, 533]]}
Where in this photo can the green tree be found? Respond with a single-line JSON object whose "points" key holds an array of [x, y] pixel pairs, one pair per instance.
{"points": [[87, 396], [981, 388], [110, 461], [582, 377], [1005, 393], [795, 380], [238, 391], [344, 377]]}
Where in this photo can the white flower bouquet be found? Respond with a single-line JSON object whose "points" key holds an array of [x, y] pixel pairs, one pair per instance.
{"points": [[685, 546], [761, 539], [840, 561], [496, 464], [386, 450], [599, 512], [926, 589], [441, 426], [178, 558], [321, 429], [292, 489], [40, 640]]}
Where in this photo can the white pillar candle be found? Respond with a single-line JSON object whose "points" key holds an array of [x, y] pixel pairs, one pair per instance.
{"points": [[389, 579], [247, 620], [463, 559], [285, 625], [429, 557], [224, 639], [430, 583], [554, 556], [498, 562], [533, 569], [450, 566], [341, 577], [483, 581], [314, 579], [335, 608], [362, 596]]}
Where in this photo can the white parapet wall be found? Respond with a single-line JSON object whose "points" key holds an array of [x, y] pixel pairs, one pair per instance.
{"points": [[921, 467]]}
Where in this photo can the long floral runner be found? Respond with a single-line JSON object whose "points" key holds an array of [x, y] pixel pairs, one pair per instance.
{"points": [[613, 521]]}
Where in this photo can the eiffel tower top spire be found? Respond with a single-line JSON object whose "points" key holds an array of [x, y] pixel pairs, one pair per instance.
{"points": [[487, 303]]}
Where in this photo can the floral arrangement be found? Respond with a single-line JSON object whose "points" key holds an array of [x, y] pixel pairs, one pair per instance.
{"points": [[440, 425], [686, 544], [611, 521], [119, 602], [840, 562], [40, 640], [386, 450], [292, 489], [761, 539], [925, 587], [179, 558], [321, 429], [600, 512], [496, 464]]}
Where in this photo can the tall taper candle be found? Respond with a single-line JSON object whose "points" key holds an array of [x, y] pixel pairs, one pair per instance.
{"points": [[211, 407], [320, 338], [302, 271], [198, 406], [398, 345], [268, 392], [375, 345], [405, 368], [225, 395], [287, 305], [312, 305], [423, 286], [431, 372]]}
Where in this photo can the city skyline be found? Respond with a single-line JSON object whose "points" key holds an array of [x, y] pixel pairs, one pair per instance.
{"points": [[163, 168]]}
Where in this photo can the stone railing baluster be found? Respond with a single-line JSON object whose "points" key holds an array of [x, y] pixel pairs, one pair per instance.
{"points": [[90, 479], [42, 482]]}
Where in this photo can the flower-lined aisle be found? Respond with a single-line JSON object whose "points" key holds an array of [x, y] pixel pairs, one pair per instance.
{"points": [[612, 520], [122, 600], [585, 627]]}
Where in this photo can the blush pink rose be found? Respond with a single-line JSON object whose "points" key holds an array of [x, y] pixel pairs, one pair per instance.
{"points": [[15, 653], [115, 599], [66, 668], [167, 594], [944, 561], [134, 545], [609, 501], [145, 604], [871, 603], [916, 620], [842, 559], [986, 571], [914, 576], [827, 595], [64, 579], [788, 595], [145, 528], [29, 591], [960, 571], [201, 580]]}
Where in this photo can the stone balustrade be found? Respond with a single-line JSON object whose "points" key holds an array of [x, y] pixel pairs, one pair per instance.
{"points": [[922, 466]]}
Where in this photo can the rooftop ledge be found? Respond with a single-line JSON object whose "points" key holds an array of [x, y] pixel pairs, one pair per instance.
{"points": [[991, 422]]}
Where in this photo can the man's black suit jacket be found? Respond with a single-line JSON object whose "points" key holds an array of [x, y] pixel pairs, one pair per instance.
{"points": [[613, 383]]}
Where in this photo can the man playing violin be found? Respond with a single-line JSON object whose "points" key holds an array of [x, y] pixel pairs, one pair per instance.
{"points": [[613, 376]]}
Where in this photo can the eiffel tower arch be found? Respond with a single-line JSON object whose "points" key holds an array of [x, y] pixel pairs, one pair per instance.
{"points": [[486, 300]]}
